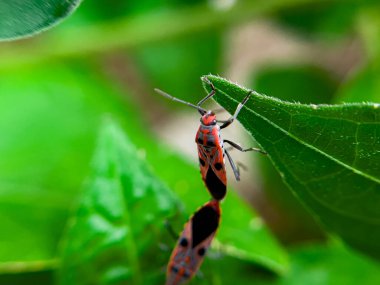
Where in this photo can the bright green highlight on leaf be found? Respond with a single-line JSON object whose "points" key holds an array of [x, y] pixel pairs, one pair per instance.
{"points": [[244, 235], [115, 234], [26, 17], [328, 155], [328, 264]]}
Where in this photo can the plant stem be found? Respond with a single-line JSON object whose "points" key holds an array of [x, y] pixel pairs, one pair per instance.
{"points": [[135, 32], [13, 267]]}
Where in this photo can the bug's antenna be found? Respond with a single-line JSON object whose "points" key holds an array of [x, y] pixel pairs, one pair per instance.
{"points": [[162, 93], [211, 94]]}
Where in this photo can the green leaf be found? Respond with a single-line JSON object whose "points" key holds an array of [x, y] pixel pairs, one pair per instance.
{"points": [[25, 17], [244, 235], [363, 86], [114, 235], [331, 264], [329, 156], [303, 83], [48, 117]]}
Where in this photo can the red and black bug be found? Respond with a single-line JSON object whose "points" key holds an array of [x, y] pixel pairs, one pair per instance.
{"points": [[193, 244], [210, 145]]}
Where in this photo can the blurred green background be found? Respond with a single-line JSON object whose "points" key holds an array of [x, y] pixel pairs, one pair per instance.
{"points": [[58, 88]]}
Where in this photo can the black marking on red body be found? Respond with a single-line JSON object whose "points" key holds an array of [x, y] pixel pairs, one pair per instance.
{"points": [[218, 166], [216, 187], [204, 223]]}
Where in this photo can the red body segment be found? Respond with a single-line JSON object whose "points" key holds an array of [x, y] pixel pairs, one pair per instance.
{"points": [[193, 244], [211, 160]]}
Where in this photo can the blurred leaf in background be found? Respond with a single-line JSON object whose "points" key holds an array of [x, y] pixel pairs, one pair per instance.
{"points": [[331, 264], [105, 59], [48, 117], [108, 240], [175, 65], [328, 20], [27, 17], [69, 109], [115, 234], [363, 82]]}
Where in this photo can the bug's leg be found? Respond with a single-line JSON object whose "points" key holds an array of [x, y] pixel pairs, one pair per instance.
{"points": [[237, 111], [238, 147], [229, 148], [199, 274], [241, 165], [170, 230], [163, 246], [235, 169], [170, 97], [212, 93]]}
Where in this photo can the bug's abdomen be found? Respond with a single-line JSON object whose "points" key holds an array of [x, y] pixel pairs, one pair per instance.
{"points": [[211, 161], [214, 185]]}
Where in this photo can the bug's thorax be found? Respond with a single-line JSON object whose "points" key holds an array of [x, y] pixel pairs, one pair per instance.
{"points": [[208, 119], [208, 134]]}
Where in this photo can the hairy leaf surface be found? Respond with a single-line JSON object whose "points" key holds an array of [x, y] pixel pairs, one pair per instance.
{"points": [[328, 155]]}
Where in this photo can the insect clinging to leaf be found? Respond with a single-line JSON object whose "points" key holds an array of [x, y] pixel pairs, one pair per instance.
{"points": [[211, 150]]}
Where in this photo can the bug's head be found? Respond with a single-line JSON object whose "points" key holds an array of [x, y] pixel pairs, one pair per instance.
{"points": [[208, 119]]}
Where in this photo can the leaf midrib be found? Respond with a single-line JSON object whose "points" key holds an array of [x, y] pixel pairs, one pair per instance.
{"points": [[368, 176], [364, 219], [346, 214]]}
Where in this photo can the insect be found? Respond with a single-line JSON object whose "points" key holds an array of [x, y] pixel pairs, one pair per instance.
{"points": [[211, 151], [193, 244]]}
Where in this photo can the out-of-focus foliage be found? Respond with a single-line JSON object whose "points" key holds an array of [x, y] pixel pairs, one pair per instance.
{"points": [[49, 122], [27, 17], [112, 237], [331, 264], [304, 84], [104, 61], [327, 19]]}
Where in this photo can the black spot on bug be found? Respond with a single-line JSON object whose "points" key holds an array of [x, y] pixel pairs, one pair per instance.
{"points": [[210, 143], [218, 166], [174, 269], [200, 140], [183, 242], [204, 223], [202, 162], [214, 185], [186, 275], [201, 251]]}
